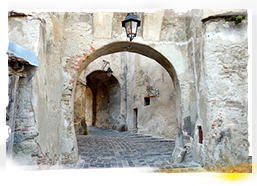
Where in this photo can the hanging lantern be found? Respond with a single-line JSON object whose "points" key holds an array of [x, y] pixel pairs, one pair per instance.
{"points": [[109, 72], [131, 23]]}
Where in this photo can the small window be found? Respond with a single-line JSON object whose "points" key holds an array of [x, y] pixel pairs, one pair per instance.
{"points": [[200, 132], [147, 101]]}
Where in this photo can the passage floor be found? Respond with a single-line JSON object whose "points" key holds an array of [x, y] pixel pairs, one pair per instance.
{"points": [[105, 148]]}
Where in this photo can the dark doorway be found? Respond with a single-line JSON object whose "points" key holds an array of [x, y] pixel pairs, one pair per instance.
{"points": [[200, 134], [135, 120]]}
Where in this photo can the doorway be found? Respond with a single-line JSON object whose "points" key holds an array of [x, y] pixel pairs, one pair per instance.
{"points": [[135, 120]]}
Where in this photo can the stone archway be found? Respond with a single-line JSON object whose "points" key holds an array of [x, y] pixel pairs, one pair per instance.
{"points": [[150, 53], [68, 93], [143, 50]]}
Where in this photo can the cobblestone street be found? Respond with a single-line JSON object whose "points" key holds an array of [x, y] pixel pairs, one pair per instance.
{"points": [[105, 148]]}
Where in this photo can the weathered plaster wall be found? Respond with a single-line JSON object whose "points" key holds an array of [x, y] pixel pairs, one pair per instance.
{"points": [[47, 89], [225, 58], [158, 118], [197, 107], [26, 128], [218, 53], [39, 92], [206, 62]]}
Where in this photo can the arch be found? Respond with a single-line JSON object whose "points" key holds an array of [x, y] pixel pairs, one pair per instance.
{"points": [[145, 50], [111, 85], [123, 46], [68, 92]]}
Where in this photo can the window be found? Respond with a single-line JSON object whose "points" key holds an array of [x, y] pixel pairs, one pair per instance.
{"points": [[147, 101]]}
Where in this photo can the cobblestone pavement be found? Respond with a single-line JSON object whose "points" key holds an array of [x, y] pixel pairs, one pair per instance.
{"points": [[105, 148]]}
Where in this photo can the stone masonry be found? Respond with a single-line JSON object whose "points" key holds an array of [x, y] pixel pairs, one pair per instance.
{"points": [[195, 61]]}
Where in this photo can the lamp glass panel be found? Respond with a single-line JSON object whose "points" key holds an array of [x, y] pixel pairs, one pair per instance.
{"points": [[128, 27], [134, 27], [109, 74]]}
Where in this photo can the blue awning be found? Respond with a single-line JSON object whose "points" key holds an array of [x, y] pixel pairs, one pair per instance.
{"points": [[23, 53]]}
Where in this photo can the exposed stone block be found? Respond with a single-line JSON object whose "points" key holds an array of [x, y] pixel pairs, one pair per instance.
{"points": [[122, 128], [178, 155]]}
